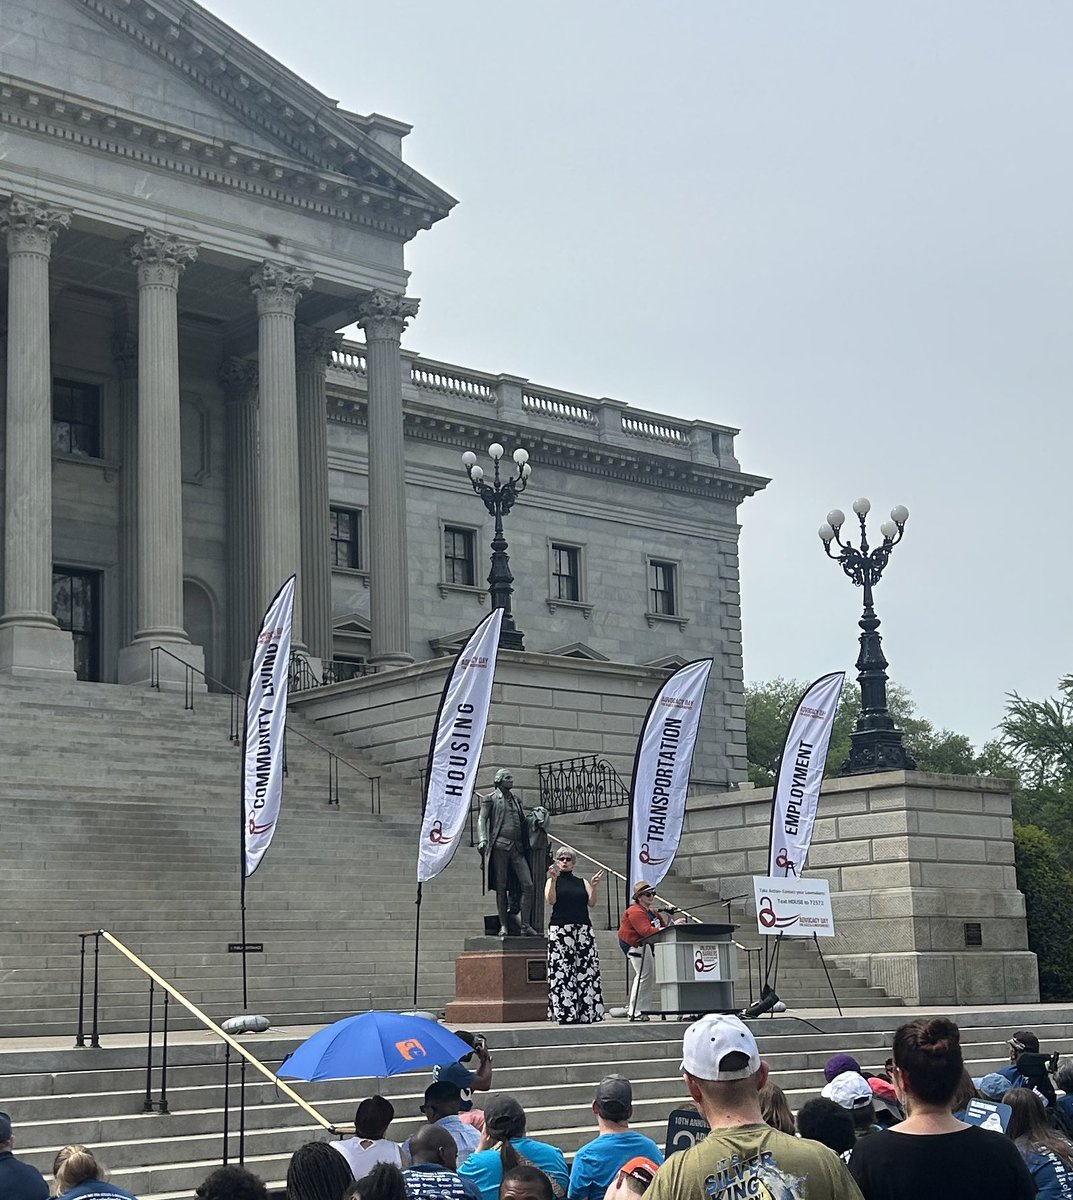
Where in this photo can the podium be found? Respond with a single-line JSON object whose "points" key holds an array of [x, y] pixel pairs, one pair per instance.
{"points": [[694, 969]]}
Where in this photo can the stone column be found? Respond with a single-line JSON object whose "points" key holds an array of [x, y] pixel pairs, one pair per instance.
{"points": [[125, 356], [277, 289], [383, 316], [238, 378], [314, 350], [160, 260], [31, 641]]}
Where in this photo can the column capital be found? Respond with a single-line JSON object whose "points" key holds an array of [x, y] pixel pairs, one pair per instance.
{"points": [[125, 354], [278, 287], [161, 258], [238, 378], [31, 227], [383, 315], [313, 347]]}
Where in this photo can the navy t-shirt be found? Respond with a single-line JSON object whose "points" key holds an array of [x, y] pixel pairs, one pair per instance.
{"points": [[20, 1181]]}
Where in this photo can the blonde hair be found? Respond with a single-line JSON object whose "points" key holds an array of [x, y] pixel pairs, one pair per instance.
{"points": [[74, 1165]]}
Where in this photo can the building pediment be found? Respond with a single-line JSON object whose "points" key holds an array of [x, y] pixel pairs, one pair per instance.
{"points": [[186, 93]]}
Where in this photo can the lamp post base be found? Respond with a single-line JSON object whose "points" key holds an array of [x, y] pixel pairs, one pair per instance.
{"points": [[877, 750]]}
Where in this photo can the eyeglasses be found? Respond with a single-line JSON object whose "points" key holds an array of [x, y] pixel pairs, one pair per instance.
{"points": [[565, 858]]}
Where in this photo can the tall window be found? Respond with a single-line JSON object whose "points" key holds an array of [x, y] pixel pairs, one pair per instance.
{"points": [[663, 588], [76, 418], [346, 538], [76, 606], [565, 572], [459, 556]]}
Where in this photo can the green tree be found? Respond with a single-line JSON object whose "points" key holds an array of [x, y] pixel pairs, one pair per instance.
{"points": [[769, 707], [1046, 885]]}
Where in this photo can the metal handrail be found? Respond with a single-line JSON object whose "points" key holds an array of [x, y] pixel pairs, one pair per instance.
{"points": [[238, 702], [195, 1012]]}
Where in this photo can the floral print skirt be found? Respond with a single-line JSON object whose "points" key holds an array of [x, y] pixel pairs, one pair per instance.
{"points": [[574, 993]]}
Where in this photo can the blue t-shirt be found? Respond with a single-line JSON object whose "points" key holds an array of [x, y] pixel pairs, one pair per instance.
{"points": [[597, 1162], [426, 1181], [96, 1189], [485, 1167], [20, 1181], [1054, 1180]]}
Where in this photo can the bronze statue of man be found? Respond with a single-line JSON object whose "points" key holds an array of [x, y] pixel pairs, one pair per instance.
{"points": [[503, 833]]}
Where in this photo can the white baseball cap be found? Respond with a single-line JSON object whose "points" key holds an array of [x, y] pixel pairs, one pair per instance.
{"points": [[708, 1041], [849, 1089]]}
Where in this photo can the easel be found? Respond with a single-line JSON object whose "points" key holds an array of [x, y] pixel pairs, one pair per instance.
{"points": [[771, 966]]}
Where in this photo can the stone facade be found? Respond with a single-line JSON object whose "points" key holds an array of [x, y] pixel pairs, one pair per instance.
{"points": [[921, 873], [188, 225]]}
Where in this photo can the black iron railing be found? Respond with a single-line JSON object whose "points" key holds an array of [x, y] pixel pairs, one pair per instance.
{"points": [[302, 677], [580, 785], [238, 717]]}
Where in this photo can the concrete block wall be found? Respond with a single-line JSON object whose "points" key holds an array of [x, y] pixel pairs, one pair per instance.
{"points": [[544, 707], [911, 858]]}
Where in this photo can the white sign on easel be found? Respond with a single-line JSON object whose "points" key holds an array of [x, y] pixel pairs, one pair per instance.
{"points": [[793, 907]]}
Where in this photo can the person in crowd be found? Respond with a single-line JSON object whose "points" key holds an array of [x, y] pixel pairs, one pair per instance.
{"points": [[18, 1180], [79, 1176], [231, 1183], [884, 1100], [433, 1170], [597, 1162], [317, 1172], [966, 1091], [575, 995], [775, 1108], [384, 1182], [1064, 1078], [441, 1107], [370, 1145], [827, 1122], [526, 1183], [993, 1086], [931, 1155], [469, 1081], [839, 1064], [1047, 1155], [505, 1146], [640, 920], [851, 1091], [742, 1156], [633, 1179], [1024, 1041]]}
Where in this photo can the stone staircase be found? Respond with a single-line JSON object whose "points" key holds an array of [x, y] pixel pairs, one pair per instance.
{"points": [[120, 810], [96, 1097]]}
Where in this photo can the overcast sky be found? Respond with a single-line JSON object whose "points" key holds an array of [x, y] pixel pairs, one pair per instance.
{"points": [[842, 227]]}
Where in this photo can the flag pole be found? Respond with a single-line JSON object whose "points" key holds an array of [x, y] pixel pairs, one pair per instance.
{"points": [[417, 939]]}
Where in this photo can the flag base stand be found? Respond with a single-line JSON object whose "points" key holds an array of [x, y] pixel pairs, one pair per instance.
{"points": [[500, 980]]}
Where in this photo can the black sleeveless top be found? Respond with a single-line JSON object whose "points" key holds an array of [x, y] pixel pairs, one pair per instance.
{"points": [[571, 902]]}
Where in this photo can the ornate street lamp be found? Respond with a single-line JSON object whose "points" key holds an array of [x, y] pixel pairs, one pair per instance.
{"points": [[876, 743], [499, 497]]}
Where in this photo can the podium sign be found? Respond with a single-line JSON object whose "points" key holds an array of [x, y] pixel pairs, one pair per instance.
{"points": [[793, 907], [705, 961]]}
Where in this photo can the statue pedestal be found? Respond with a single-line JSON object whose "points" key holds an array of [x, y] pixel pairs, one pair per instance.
{"points": [[501, 980]]}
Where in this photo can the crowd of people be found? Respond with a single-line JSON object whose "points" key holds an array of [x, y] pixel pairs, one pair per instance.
{"points": [[896, 1133]]}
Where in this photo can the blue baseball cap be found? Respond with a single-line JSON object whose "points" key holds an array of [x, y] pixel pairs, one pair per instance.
{"points": [[457, 1075]]}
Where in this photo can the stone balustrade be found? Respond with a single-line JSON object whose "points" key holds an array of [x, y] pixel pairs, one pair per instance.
{"points": [[427, 381]]}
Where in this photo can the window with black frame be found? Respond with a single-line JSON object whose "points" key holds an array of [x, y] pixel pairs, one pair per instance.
{"points": [[663, 588], [76, 606], [346, 538], [565, 572], [76, 418], [459, 556]]}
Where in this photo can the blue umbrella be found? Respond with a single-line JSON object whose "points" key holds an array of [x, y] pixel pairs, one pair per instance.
{"points": [[373, 1044]]}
